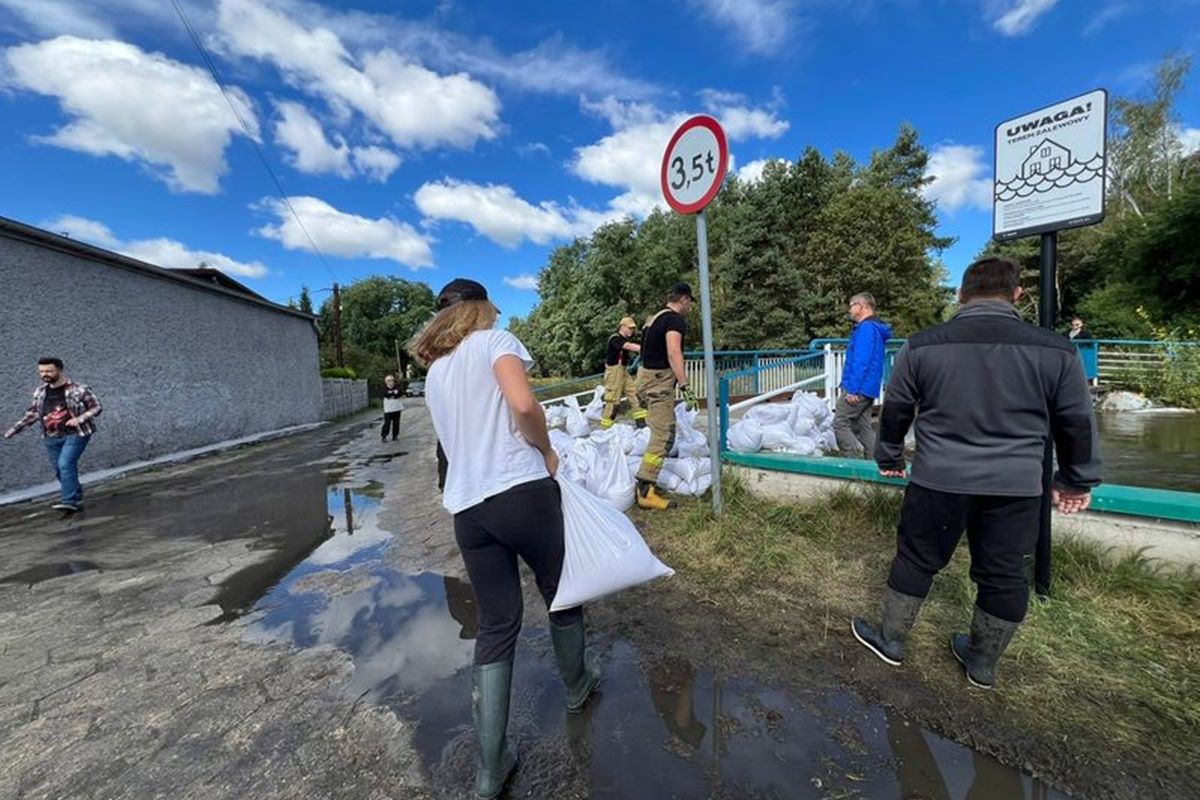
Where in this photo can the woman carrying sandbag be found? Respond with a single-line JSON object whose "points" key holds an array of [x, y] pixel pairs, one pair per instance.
{"points": [[501, 491]]}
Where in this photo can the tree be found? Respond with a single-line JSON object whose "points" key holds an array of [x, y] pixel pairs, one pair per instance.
{"points": [[306, 304]]}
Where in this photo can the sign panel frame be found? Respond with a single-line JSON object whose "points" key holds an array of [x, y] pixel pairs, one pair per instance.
{"points": [[1039, 126], [718, 177]]}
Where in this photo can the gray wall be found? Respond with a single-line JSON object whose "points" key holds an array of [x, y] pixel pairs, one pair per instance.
{"points": [[342, 397], [175, 365]]}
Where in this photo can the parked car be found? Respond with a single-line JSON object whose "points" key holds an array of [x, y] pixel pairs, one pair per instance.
{"points": [[416, 389]]}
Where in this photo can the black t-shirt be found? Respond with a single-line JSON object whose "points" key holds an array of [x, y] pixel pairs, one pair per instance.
{"points": [[394, 394], [617, 354], [654, 343], [54, 411]]}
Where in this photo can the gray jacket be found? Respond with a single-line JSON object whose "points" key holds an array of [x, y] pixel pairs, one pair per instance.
{"points": [[987, 390]]}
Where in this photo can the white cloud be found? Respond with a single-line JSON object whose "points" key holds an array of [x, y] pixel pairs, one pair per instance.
{"points": [[135, 105], [532, 148], [497, 212], [55, 17], [414, 106], [313, 153], [1018, 17], [960, 178], [762, 26], [1111, 12], [753, 171], [337, 233], [376, 163], [525, 282], [161, 252], [740, 122], [1190, 139]]}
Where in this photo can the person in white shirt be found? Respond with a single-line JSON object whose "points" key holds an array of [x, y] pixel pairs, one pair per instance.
{"points": [[501, 490], [393, 406]]}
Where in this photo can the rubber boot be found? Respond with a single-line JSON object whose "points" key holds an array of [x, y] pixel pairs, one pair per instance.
{"points": [[648, 497], [578, 667], [979, 652], [489, 709], [887, 641]]}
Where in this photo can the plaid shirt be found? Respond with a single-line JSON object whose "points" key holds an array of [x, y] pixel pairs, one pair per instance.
{"points": [[81, 402]]}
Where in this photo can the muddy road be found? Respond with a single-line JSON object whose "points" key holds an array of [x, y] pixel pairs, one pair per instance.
{"points": [[292, 620]]}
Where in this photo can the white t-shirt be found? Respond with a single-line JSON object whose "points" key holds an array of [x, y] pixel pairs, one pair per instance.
{"points": [[487, 455]]}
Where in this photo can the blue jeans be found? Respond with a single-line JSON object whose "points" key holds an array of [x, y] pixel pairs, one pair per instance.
{"points": [[64, 452]]}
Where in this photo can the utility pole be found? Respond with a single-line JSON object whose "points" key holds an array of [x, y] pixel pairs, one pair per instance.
{"points": [[337, 326]]}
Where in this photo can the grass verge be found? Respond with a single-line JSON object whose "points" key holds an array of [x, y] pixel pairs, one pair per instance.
{"points": [[1114, 656]]}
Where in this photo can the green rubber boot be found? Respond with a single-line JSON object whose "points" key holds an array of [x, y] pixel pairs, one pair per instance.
{"points": [[489, 709], [579, 670]]}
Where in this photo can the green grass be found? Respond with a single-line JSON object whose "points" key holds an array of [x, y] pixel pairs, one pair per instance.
{"points": [[1114, 656]]}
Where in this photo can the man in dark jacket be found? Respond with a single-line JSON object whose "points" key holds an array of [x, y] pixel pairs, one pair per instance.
{"points": [[862, 377], [987, 391]]}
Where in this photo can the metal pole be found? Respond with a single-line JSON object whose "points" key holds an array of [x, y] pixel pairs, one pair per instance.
{"points": [[710, 367], [1048, 308], [337, 325]]}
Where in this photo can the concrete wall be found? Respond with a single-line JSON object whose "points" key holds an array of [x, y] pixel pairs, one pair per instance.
{"points": [[175, 364], [342, 397]]}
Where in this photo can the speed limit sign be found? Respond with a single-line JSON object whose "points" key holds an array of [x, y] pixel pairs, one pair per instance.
{"points": [[694, 164]]}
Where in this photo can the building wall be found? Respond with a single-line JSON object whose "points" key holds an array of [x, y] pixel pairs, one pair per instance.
{"points": [[342, 397], [175, 366]]}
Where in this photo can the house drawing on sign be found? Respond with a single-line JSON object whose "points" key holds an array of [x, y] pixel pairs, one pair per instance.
{"points": [[1045, 157]]}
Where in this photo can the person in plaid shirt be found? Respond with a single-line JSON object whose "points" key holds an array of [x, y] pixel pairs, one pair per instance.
{"points": [[66, 411]]}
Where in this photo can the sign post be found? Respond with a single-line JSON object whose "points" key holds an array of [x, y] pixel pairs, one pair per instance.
{"points": [[1050, 167], [693, 169]]}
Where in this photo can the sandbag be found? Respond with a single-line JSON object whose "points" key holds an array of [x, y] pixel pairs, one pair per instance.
{"points": [[689, 442], [604, 551], [778, 437], [745, 436], [688, 470], [556, 416], [595, 408], [577, 424], [608, 476]]}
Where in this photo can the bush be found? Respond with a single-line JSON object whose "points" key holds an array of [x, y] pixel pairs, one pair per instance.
{"points": [[339, 372]]}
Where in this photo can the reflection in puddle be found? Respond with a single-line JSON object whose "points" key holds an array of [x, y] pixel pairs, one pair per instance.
{"points": [[658, 729]]}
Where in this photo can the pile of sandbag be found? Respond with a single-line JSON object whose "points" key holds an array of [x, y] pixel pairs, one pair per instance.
{"points": [[802, 427], [605, 462]]}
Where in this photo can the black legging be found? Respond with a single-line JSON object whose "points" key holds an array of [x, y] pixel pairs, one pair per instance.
{"points": [[525, 521], [391, 421]]}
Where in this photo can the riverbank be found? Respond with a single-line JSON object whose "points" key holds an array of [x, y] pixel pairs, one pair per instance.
{"points": [[1101, 679]]}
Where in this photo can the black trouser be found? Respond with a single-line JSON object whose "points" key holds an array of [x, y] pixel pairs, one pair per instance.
{"points": [[1001, 532], [391, 422], [525, 521]]}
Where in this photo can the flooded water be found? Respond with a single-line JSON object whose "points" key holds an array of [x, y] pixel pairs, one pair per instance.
{"points": [[660, 727], [1155, 449]]}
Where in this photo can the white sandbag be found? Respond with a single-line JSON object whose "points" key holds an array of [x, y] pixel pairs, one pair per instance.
{"points": [[641, 440], [745, 436], [577, 424], [778, 437], [556, 416], [688, 469], [604, 552], [595, 408], [769, 413], [689, 442], [669, 481], [561, 442], [609, 477], [811, 406], [804, 446], [703, 484]]}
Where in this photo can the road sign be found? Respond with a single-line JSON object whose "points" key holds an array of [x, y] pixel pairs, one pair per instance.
{"points": [[1050, 168], [694, 164], [693, 169]]}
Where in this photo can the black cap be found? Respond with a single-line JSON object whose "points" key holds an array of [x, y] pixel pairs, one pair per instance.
{"points": [[682, 290], [458, 290]]}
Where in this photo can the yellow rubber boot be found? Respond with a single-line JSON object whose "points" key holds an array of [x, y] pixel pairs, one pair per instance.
{"points": [[648, 497]]}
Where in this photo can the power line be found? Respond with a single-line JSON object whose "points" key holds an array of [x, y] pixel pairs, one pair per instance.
{"points": [[283, 195]]}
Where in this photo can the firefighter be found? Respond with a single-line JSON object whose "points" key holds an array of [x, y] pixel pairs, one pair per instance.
{"points": [[661, 373], [618, 384]]}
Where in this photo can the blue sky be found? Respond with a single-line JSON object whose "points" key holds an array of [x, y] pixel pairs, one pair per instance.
{"points": [[437, 139]]}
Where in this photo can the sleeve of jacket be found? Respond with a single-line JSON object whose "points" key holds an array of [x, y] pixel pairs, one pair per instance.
{"points": [[858, 356], [31, 416], [91, 403], [1073, 426], [899, 411]]}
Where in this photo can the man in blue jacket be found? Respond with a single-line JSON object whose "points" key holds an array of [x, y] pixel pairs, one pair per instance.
{"points": [[862, 376]]}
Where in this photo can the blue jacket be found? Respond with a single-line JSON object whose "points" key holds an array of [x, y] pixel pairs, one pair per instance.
{"points": [[863, 373]]}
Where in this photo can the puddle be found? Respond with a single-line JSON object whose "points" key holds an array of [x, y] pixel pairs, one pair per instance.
{"points": [[45, 572], [385, 458], [659, 729]]}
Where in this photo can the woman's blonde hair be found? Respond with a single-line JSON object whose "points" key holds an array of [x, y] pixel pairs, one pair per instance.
{"points": [[449, 327]]}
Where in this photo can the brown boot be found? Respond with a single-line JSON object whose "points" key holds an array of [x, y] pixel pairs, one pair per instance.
{"points": [[648, 497]]}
